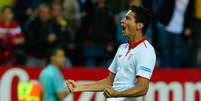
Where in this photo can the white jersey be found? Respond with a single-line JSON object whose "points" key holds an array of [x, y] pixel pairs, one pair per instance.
{"points": [[129, 62]]}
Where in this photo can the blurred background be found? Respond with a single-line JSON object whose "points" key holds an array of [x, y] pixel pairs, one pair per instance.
{"points": [[89, 31]]}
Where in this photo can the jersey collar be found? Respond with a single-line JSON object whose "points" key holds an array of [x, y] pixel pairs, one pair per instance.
{"points": [[133, 45]]}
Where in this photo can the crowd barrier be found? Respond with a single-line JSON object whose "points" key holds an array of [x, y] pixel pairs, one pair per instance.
{"points": [[165, 85]]}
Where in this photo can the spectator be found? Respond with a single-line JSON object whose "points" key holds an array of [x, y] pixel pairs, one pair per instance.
{"points": [[23, 8], [72, 13], [57, 16], [5, 3], [57, 13], [99, 39], [193, 32], [20, 9], [11, 37], [67, 37], [86, 11], [42, 34], [51, 78], [171, 25]]}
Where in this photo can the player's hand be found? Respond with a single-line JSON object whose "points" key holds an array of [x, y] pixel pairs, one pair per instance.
{"points": [[110, 92], [69, 86], [73, 86]]}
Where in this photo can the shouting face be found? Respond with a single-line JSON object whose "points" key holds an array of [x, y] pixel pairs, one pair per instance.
{"points": [[129, 25]]}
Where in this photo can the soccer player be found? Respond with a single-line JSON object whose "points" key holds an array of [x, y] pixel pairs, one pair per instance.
{"points": [[133, 64], [51, 78]]}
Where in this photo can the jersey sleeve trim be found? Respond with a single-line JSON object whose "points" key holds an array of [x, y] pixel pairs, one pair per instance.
{"points": [[144, 72]]}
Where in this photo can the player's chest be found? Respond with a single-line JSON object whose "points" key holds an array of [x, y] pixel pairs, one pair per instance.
{"points": [[126, 57], [126, 63]]}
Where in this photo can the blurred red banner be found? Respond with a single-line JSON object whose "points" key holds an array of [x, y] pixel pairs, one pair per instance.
{"points": [[165, 85]]}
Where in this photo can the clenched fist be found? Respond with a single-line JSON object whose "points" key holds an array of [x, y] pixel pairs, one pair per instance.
{"points": [[72, 85]]}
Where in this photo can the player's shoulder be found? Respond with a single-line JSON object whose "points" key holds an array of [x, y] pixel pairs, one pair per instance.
{"points": [[146, 49], [123, 46], [49, 70], [146, 46]]}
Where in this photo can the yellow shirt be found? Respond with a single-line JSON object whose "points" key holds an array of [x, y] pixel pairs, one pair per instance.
{"points": [[4, 3], [198, 9]]}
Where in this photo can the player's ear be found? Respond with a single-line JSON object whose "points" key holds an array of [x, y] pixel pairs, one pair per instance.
{"points": [[140, 26]]}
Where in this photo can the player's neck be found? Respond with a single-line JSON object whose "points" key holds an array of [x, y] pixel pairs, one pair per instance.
{"points": [[135, 38], [54, 64]]}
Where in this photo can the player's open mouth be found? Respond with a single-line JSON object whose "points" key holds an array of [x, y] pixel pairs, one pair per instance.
{"points": [[123, 29], [123, 25]]}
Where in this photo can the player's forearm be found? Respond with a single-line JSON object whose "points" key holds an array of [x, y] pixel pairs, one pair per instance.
{"points": [[133, 92], [97, 86], [93, 87]]}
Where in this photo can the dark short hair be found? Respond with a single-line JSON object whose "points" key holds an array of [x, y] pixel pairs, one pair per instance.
{"points": [[142, 15], [7, 7], [53, 51]]}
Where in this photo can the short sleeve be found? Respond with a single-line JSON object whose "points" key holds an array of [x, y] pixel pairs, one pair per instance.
{"points": [[58, 83], [146, 64]]}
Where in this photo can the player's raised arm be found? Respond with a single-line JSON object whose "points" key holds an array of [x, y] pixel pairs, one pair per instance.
{"points": [[96, 86]]}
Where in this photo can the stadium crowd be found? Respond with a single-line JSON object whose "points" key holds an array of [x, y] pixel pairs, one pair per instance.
{"points": [[90, 31]]}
